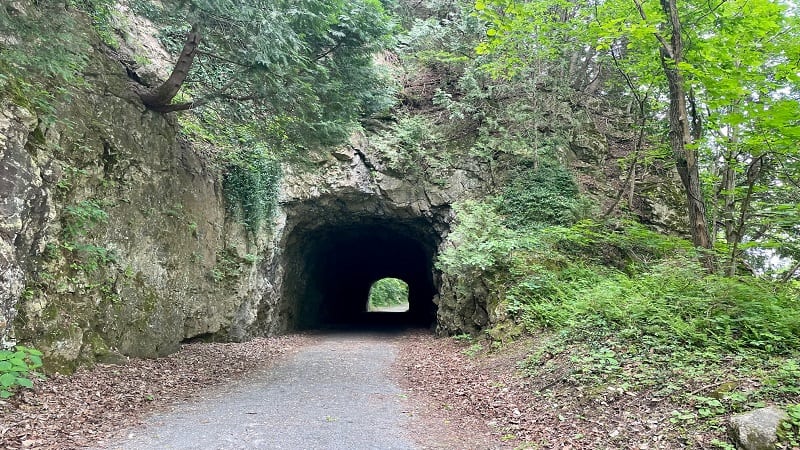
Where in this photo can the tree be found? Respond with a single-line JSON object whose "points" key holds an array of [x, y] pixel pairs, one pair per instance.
{"points": [[728, 71], [305, 63]]}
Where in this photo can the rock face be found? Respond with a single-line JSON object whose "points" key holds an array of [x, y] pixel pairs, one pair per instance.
{"points": [[114, 238], [372, 224], [20, 189], [756, 430]]}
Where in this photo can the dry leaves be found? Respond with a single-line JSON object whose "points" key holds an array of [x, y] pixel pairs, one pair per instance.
{"points": [[78, 410], [488, 391]]}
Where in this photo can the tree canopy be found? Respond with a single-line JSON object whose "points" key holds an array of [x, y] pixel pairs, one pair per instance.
{"points": [[302, 65], [723, 78]]}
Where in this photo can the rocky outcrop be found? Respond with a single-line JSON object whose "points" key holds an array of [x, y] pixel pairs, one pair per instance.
{"points": [[20, 189], [351, 191], [756, 430], [114, 237]]}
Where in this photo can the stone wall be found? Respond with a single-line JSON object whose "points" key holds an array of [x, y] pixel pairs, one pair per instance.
{"points": [[114, 239]]}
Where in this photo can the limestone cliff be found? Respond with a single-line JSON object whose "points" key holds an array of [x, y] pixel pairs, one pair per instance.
{"points": [[114, 234]]}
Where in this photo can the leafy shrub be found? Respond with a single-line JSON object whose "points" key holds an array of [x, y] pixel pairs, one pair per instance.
{"points": [[543, 196], [480, 240], [623, 279], [388, 292], [17, 367]]}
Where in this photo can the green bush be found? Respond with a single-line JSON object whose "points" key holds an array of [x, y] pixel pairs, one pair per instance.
{"points": [[17, 367], [388, 292], [620, 279], [481, 241], [546, 195]]}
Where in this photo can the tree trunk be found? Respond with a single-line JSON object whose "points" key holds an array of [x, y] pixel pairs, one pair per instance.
{"points": [[159, 99], [729, 197], [679, 135]]}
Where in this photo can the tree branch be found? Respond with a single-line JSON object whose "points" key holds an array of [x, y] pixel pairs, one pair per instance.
{"points": [[161, 97]]}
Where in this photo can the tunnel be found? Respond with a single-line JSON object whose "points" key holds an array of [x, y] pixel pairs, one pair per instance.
{"points": [[330, 265]]}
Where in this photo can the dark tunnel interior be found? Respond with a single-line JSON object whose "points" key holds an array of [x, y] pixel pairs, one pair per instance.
{"points": [[330, 269]]}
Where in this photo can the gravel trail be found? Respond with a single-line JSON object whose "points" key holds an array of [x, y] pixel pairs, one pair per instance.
{"points": [[335, 393]]}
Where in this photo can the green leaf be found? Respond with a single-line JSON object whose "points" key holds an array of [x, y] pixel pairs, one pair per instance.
{"points": [[7, 379], [24, 382], [36, 361]]}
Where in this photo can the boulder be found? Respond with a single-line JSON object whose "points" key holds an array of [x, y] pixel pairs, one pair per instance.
{"points": [[756, 430]]}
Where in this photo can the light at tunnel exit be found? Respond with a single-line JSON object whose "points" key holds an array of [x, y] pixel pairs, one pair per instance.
{"points": [[388, 295]]}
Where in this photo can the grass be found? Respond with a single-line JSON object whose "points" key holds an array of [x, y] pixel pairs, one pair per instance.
{"points": [[628, 309]]}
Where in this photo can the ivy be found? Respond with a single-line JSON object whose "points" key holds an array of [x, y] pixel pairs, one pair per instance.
{"points": [[250, 185]]}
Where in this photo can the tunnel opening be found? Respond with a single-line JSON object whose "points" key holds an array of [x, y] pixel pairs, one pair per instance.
{"points": [[388, 295], [329, 269]]}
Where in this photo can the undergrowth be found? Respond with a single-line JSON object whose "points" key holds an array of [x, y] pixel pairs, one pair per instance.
{"points": [[17, 366], [632, 309]]}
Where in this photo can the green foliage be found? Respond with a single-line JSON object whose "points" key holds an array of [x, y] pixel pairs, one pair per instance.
{"points": [[309, 62], [564, 278], [473, 349], [78, 221], [388, 292], [40, 50], [738, 66], [249, 152], [674, 301], [101, 13], [481, 242], [540, 196], [80, 218], [17, 367], [229, 265], [620, 309], [409, 146], [251, 186], [789, 431]]}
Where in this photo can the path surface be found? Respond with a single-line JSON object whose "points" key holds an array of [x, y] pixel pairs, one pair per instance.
{"points": [[333, 394]]}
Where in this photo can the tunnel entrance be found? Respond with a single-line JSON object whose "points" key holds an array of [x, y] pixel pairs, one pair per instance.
{"points": [[330, 267], [388, 295]]}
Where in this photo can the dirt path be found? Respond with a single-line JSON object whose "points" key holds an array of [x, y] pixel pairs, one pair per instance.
{"points": [[334, 393], [331, 391]]}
